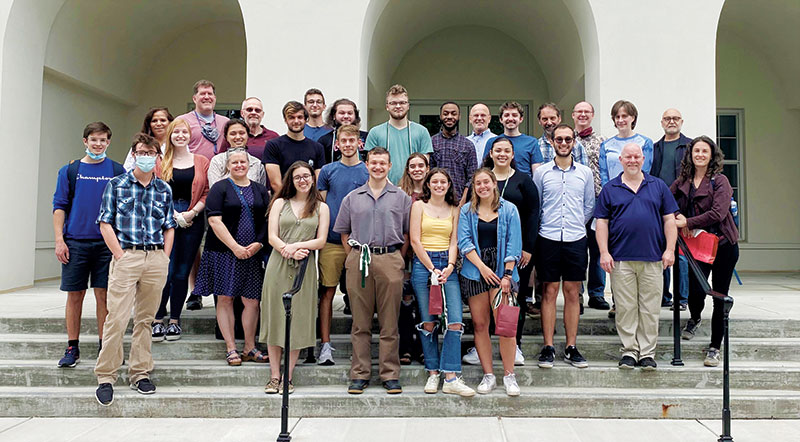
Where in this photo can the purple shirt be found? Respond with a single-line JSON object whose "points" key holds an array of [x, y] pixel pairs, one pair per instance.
{"points": [[456, 154], [378, 222]]}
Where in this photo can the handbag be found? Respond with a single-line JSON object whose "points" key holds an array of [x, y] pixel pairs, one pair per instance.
{"points": [[435, 303], [505, 323], [702, 246]]}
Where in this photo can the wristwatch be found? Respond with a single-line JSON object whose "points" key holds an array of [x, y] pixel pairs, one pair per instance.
{"points": [[508, 272]]}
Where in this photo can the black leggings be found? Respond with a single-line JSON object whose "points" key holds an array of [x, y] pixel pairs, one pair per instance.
{"points": [[727, 256]]}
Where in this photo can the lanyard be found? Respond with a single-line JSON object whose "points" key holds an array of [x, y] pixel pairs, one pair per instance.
{"points": [[408, 134]]}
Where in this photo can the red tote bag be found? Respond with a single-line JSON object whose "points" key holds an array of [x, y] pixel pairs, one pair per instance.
{"points": [[505, 324], [435, 304], [703, 246]]}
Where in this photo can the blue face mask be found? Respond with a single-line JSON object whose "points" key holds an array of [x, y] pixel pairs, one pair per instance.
{"points": [[94, 156], [145, 164]]}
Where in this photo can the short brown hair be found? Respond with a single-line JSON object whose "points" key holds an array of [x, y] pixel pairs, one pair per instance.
{"points": [[348, 129], [379, 151], [545, 106], [96, 127], [293, 107], [147, 140], [396, 89], [203, 83], [629, 108], [512, 105], [313, 91]]}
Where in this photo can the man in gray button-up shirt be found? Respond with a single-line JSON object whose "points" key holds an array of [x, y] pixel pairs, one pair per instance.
{"points": [[373, 221]]}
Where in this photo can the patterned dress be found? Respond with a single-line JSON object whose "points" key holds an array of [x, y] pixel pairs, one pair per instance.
{"points": [[281, 273]]}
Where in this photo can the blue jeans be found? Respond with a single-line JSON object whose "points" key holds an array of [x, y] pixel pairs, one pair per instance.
{"points": [[450, 359], [597, 276], [181, 259], [683, 269]]}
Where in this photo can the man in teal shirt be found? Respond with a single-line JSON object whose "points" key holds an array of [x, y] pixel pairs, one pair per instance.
{"points": [[399, 136]]}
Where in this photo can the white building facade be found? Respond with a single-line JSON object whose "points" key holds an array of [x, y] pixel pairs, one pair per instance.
{"points": [[731, 67]]}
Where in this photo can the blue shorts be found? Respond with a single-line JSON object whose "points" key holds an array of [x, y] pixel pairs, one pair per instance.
{"points": [[87, 258]]}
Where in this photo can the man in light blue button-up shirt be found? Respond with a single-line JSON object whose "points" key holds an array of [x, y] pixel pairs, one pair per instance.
{"points": [[567, 202], [479, 117]]}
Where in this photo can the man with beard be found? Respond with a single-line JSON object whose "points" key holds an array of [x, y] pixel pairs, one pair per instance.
{"points": [[567, 202], [399, 136], [205, 124], [452, 151], [252, 114], [549, 116], [479, 118], [315, 127], [342, 113], [283, 151], [526, 153]]}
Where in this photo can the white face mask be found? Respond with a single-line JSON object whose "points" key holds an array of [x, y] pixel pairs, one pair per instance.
{"points": [[145, 164]]}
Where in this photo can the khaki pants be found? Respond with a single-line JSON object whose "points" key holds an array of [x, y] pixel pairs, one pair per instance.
{"points": [[637, 287], [135, 281], [384, 288]]}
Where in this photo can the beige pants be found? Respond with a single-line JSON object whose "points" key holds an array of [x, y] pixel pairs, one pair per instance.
{"points": [[637, 287], [384, 288], [135, 281]]}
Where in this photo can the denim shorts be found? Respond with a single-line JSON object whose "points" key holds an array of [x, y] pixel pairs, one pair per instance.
{"points": [[88, 258]]}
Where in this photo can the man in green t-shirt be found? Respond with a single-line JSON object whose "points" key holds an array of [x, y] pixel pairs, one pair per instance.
{"points": [[399, 136]]}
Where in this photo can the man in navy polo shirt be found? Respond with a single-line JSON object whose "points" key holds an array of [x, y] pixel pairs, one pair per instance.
{"points": [[636, 236]]}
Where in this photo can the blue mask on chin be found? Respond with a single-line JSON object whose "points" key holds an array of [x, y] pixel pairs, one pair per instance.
{"points": [[94, 156]]}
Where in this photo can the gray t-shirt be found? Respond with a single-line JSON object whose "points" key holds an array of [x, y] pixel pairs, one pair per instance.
{"points": [[378, 222], [669, 161]]}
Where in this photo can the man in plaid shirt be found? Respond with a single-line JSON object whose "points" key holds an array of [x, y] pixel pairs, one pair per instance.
{"points": [[453, 151], [138, 227]]}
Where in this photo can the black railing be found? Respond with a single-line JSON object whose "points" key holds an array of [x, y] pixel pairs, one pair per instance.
{"points": [[727, 303], [287, 306]]}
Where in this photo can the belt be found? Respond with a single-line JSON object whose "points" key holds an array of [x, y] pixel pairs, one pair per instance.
{"points": [[383, 250], [149, 247]]}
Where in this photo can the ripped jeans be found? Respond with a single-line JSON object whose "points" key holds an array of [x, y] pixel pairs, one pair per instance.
{"points": [[449, 361]]}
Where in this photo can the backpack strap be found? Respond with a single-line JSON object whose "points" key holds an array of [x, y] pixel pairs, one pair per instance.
{"points": [[72, 177]]}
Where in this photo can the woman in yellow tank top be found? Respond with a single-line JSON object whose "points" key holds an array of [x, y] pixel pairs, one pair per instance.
{"points": [[433, 231]]}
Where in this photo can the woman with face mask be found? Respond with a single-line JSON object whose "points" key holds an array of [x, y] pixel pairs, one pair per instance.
{"points": [[187, 176], [155, 124], [231, 263]]}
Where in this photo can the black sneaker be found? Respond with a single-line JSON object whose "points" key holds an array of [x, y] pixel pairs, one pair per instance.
{"points": [[666, 303], [573, 357], [547, 356], [357, 386], [144, 386], [598, 303], [613, 312], [648, 364], [104, 394], [71, 357], [173, 331], [194, 303], [158, 332], [392, 386], [690, 329], [627, 363], [581, 309]]}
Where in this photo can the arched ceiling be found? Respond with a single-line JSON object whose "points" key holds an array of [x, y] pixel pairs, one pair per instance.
{"points": [[94, 27], [544, 27], [772, 27]]}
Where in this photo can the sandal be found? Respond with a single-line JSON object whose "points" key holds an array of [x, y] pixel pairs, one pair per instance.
{"points": [[255, 355], [233, 358], [405, 359], [272, 386]]}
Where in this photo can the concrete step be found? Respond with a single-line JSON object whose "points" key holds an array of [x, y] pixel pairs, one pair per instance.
{"points": [[592, 323], [333, 401], [593, 347], [744, 375]]}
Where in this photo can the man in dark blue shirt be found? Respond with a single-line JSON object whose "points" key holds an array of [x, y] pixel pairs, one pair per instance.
{"points": [[79, 246]]}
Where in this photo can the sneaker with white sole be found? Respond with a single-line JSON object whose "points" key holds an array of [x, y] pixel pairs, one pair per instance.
{"points": [[471, 358], [488, 383], [712, 358], [173, 332], [158, 332], [326, 354], [519, 358], [457, 386], [432, 385], [510, 382], [573, 357]]}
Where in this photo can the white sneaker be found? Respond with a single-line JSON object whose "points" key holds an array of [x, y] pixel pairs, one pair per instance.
{"points": [[510, 382], [432, 386], [457, 387], [488, 383], [519, 359], [326, 354], [471, 358]]}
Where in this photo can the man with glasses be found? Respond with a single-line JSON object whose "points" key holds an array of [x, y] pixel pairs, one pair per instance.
{"points": [[315, 127], [399, 136], [283, 151], [567, 201], [583, 115], [667, 155], [205, 125], [137, 225], [252, 114]]}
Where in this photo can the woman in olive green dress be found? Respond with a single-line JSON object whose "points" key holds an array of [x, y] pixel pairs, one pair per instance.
{"points": [[298, 225]]}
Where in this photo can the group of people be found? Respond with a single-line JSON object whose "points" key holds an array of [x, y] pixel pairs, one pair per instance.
{"points": [[408, 225]]}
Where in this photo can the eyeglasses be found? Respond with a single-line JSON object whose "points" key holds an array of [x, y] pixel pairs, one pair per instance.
{"points": [[668, 119], [315, 102], [563, 140], [253, 110], [397, 103], [149, 153], [298, 178]]}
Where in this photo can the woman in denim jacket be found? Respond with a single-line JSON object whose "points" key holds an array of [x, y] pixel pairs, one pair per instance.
{"points": [[490, 240]]}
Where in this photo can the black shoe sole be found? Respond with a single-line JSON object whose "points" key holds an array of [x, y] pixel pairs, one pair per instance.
{"points": [[327, 363]]}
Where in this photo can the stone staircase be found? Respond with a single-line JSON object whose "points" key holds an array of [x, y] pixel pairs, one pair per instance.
{"points": [[193, 379]]}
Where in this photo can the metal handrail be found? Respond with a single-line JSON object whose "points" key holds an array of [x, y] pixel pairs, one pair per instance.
{"points": [[287, 306], [727, 302]]}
